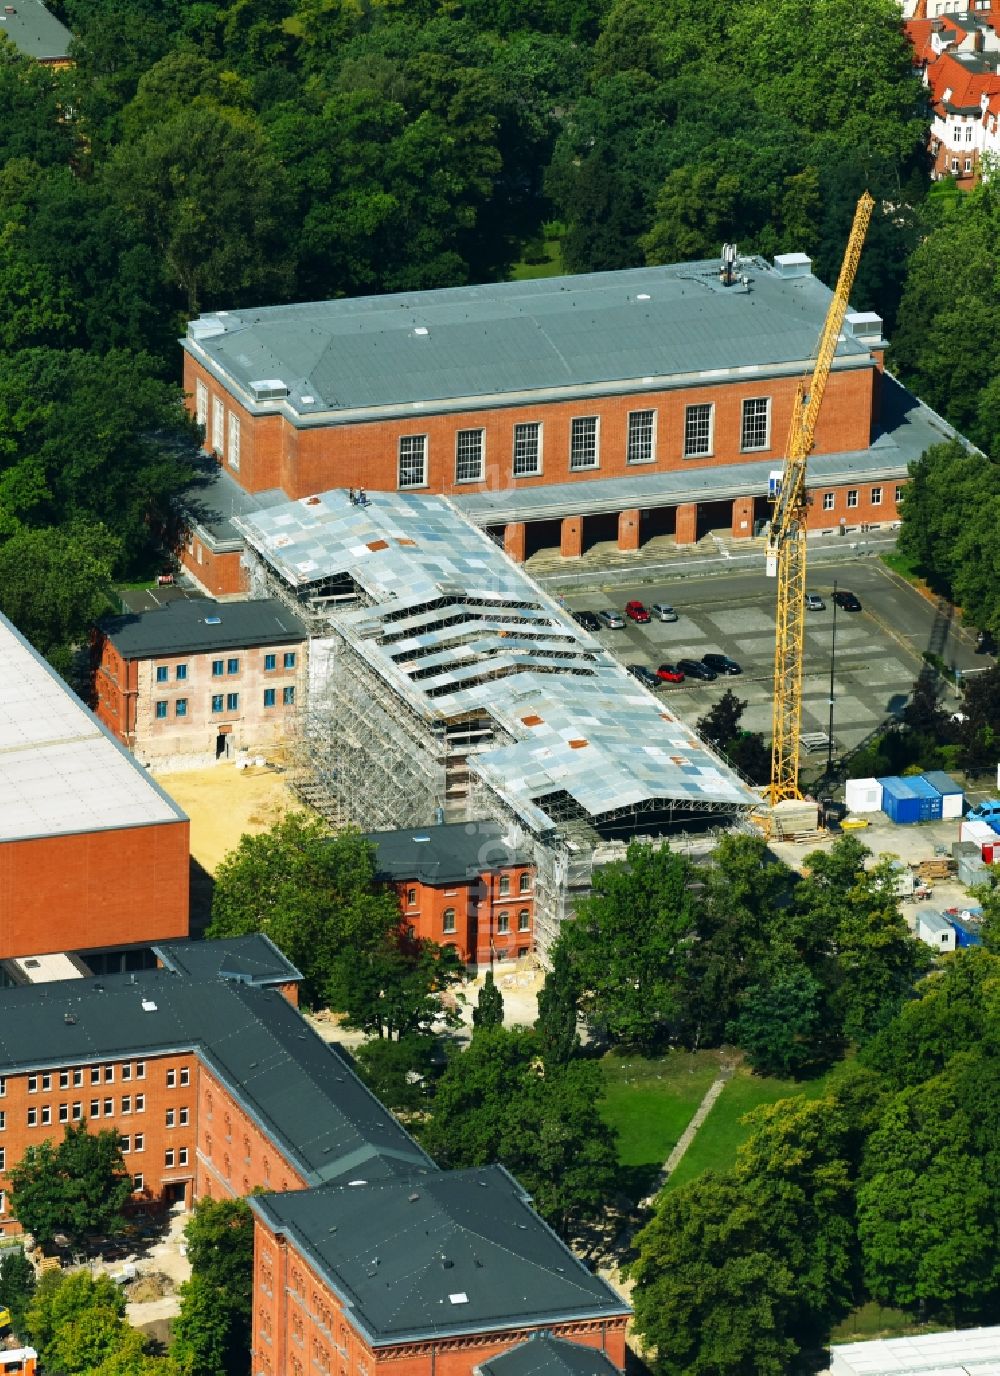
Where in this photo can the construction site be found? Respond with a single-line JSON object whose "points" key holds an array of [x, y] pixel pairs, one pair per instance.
{"points": [[445, 685]]}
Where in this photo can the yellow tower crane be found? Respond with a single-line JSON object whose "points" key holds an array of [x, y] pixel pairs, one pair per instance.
{"points": [[786, 546]]}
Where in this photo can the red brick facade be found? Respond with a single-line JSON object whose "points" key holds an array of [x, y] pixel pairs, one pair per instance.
{"points": [[489, 917]]}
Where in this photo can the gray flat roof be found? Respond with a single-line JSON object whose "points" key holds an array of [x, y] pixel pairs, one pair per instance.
{"points": [[35, 32], [507, 341], [198, 625], [456, 627], [247, 959], [545, 1355], [61, 771], [447, 1253], [445, 854], [215, 498], [295, 1086]]}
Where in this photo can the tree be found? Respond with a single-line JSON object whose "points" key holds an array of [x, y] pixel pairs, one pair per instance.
{"points": [[398, 1072], [212, 1331], [312, 893], [721, 723], [17, 1286], [75, 1307], [77, 1188], [628, 943], [780, 1024], [555, 1026], [488, 1012], [397, 988]]}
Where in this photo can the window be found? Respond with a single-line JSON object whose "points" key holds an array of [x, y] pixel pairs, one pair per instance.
{"points": [[504, 885], [218, 422], [77, 1078], [234, 442], [641, 444], [140, 1070], [161, 673], [232, 666], [168, 1158], [64, 1079], [95, 1108], [583, 442], [269, 662], [828, 500], [181, 672], [289, 659], [232, 702], [171, 1079], [127, 1070], [524, 883], [140, 1142], [3, 1121], [95, 1074], [503, 922], [32, 1084], [140, 1103], [32, 1117], [876, 496], [3, 1167], [64, 1113], [183, 1116], [954, 164], [527, 449], [412, 460], [46, 1115], [698, 430], [182, 1156], [523, 920], [968, 165], [137, 1185], [181, 707], [217, 702], [161, 710], [46, 1083], [170, 1117], [126, 1143], [469, 456], [217, 667], [3, 1085], [288, 696], [77, 1111], [852, 496], [201, 403], [756, 432], [270, 696], [899, 498], [185, 1075], [448, 920], [411, 898], [968, 139]]}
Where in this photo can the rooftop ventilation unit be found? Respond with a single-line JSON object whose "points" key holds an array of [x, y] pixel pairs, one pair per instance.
{"points": [[148, 1006], [793, 265], [206, 327], [269, 389], [865, 326], [213, 620]]}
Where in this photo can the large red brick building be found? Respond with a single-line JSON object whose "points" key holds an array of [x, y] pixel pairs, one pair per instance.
{"points": [[367, 1257], [94, 856], [560, 412]]}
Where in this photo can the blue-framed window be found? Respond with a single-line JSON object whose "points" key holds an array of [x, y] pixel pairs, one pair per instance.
{"points": [[288, 696], [181, 671], [232, 702], [181, 707], [161, 710], [269, 697], [270, 661], [289, 659], [218, 667], [161, 673], [232, 666], [216, 702]]}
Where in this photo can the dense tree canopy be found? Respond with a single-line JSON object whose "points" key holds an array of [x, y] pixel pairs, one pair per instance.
{"points": [[77, 1187]]}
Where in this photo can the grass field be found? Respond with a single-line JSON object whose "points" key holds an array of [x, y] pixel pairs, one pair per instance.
{"points": [[714, 1148], [871, 1320], [550, 266], [649, 1104]]}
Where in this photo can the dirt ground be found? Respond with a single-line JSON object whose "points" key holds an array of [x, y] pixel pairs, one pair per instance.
{"points": [[224, 803]]}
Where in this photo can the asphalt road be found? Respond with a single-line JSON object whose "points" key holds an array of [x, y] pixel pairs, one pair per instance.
{"points": [[878, 650]]}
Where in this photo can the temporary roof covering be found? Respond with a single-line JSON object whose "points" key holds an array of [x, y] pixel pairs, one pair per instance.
{"points": [[971, 1352], [458, 628]]}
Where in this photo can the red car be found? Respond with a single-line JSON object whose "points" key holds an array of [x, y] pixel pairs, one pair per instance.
{"points": [[635, 611], [669, 673]]}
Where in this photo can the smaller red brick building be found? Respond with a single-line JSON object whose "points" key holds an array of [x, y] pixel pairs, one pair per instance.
{"points": [[462, 884]]}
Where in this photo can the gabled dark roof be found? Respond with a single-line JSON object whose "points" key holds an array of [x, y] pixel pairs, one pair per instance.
{"points": [[446, 1253], [201, 625], [297, 1089], [447, 854], [545, 1355], [246, 959]]}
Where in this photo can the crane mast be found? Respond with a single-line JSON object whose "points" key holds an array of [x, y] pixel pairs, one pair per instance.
{"points": [[786, 547]]}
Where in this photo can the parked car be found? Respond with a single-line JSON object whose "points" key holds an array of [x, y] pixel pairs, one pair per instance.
{"points": [[663, 611], [644, 674], [587, 620], [722, 664], [610, 619], [693, 668], [670, 673], [846, 601], [635, 611], [814, 603], [985, 644]]}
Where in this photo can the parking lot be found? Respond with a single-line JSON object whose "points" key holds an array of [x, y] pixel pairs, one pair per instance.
{"points": [[878, 650]]}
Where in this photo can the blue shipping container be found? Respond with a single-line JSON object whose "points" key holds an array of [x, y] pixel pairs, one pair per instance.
{"points": [[965, 936], [930, 799], [943, 782], [900, 801]]}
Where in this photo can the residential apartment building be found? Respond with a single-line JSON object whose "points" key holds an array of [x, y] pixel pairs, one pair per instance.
{"points": [[94, 856], [613, 406], [958, 57], [198, 680], [367, 1257], [462, 884]]}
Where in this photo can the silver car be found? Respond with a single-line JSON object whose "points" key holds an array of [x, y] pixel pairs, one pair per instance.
{"points": [[614, 621], [663, 611], [814, 603]]}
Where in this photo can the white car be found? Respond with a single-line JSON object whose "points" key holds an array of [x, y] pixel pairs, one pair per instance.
{"points": [[663, 611], [814, 603]]}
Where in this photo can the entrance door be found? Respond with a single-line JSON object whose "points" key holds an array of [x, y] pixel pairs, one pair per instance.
{"points": [[175, 1192], [222, 746]]}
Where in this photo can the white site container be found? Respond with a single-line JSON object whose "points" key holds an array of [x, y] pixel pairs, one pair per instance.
{"points": [[972, 829], [863, 795]]}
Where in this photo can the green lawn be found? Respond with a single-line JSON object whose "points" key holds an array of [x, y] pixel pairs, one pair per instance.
{"points": [[871, 1320], [901, 564], [714, 1148], [650, 1103], [550, 266]]}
